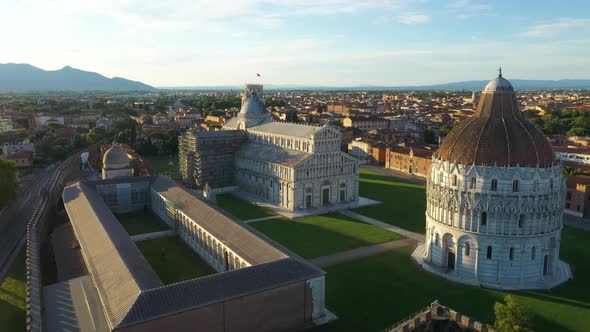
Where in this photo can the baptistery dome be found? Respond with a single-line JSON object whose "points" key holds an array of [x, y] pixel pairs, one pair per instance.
{"points": [[494, 201], [497, 134]]}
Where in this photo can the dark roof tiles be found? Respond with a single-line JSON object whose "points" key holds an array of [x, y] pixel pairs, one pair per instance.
{"points": [[497, 135]]}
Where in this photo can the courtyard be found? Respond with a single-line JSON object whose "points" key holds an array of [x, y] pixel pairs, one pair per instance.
{"points": [[141, 222], [240, 208], [404, 203], [172, 260], [322, 235], [373, 293]]}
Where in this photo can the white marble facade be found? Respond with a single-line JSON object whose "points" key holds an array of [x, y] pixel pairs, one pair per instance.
{"points": [[294, 166], [495, 225]]}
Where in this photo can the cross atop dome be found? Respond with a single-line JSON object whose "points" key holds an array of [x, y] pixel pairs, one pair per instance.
{"points": [[499, 71]]}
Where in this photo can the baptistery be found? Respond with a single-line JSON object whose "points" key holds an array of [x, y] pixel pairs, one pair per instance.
{"points": [[495, 197]]}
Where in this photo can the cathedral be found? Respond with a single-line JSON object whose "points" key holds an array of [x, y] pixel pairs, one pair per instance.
{"points": [[293, 166], [495, 197]]}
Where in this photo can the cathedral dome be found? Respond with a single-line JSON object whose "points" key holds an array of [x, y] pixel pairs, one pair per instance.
{"points": [[497, 134], [115, 158], [253, 106]]}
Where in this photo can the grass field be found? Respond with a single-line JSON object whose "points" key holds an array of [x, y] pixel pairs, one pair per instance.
{"points": [[12, 297], [141, 222], [403, 203], [316, 236], [172, 260], [161, 165], [374, 293], [240, 208]]}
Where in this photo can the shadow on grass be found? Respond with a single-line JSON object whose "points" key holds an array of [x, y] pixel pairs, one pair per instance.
{"points": [[402, 206], [240, 208], [390, 180], [316, 236]]}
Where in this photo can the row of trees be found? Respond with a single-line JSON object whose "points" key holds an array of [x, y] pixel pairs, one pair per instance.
{"points": [[8, 181], [160, 143], [209, 103], [50, 149], [563, 122]]}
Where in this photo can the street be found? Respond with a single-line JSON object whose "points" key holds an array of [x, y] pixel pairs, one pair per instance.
{"points": [[15, 217]]}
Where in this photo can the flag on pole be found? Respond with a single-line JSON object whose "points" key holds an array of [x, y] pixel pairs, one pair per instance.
{"points": [[258, 75]]}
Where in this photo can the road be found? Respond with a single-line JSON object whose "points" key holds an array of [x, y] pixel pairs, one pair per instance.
{"points": [[15, 217]]}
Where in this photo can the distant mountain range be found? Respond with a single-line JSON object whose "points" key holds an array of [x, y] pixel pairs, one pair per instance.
{"points": [[466, 85], [24, 77]]}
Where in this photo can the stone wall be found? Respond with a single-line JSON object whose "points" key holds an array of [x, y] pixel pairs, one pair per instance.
{"points": [[40, 226]]}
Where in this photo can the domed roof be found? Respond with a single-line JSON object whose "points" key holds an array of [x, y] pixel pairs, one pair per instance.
{"points": [[497, 134], [115, 157], [253, 106]]}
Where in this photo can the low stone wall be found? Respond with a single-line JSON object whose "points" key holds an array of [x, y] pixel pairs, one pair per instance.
{"points": [[419, 321]]}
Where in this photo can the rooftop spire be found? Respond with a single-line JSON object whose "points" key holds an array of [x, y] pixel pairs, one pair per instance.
{"points": [[499, 71]]}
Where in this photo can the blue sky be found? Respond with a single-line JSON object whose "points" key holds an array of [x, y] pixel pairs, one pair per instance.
{"points": [[311, 42]]}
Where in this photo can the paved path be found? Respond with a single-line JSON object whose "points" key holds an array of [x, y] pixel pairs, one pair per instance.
{"points": [[154, 235], [15, 218], [362, 252], [263, 218], [576, 222], [397, 174], [416, 236]]}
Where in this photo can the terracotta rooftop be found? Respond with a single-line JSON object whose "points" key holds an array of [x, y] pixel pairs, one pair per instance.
{"points": [[497, 134]]}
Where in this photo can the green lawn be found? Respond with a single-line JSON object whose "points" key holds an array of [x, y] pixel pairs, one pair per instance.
{"points": [[403, 205], [240, 208], [12, 297], [141, 222], [316, 236], [173, 260], [161, 164], [373, 293]]}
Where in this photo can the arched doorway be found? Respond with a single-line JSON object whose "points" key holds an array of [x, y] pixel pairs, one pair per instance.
{"points": [[449, 255]]}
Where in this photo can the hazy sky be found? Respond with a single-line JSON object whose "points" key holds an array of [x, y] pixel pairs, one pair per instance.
{"points": [[323, 42]]}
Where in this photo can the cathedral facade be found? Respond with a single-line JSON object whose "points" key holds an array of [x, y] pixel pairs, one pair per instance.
{"points": [[293, 166], [495, 197]]}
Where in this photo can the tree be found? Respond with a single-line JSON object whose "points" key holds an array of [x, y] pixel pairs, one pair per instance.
{"points": [[512, 316], [54, 126], [171, 142], [8, 181], [444, 130], [147, 148], [429, 136], [291, 116], [577, 131]]}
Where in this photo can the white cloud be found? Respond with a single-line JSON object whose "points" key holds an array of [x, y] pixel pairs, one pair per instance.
{"points": [[414, 18], [467, 8], [553, 28], [184, 14]]}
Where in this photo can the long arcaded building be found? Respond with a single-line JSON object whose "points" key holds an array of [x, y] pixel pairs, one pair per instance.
{"points": [[259, 286]]}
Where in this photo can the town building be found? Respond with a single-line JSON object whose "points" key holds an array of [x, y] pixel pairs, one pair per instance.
{"points": [[366, 122], [578, 196], [293, 166], [6, 125], [409, 160], [259, 286], [495, 196], [11, 143], [23, 160]]}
